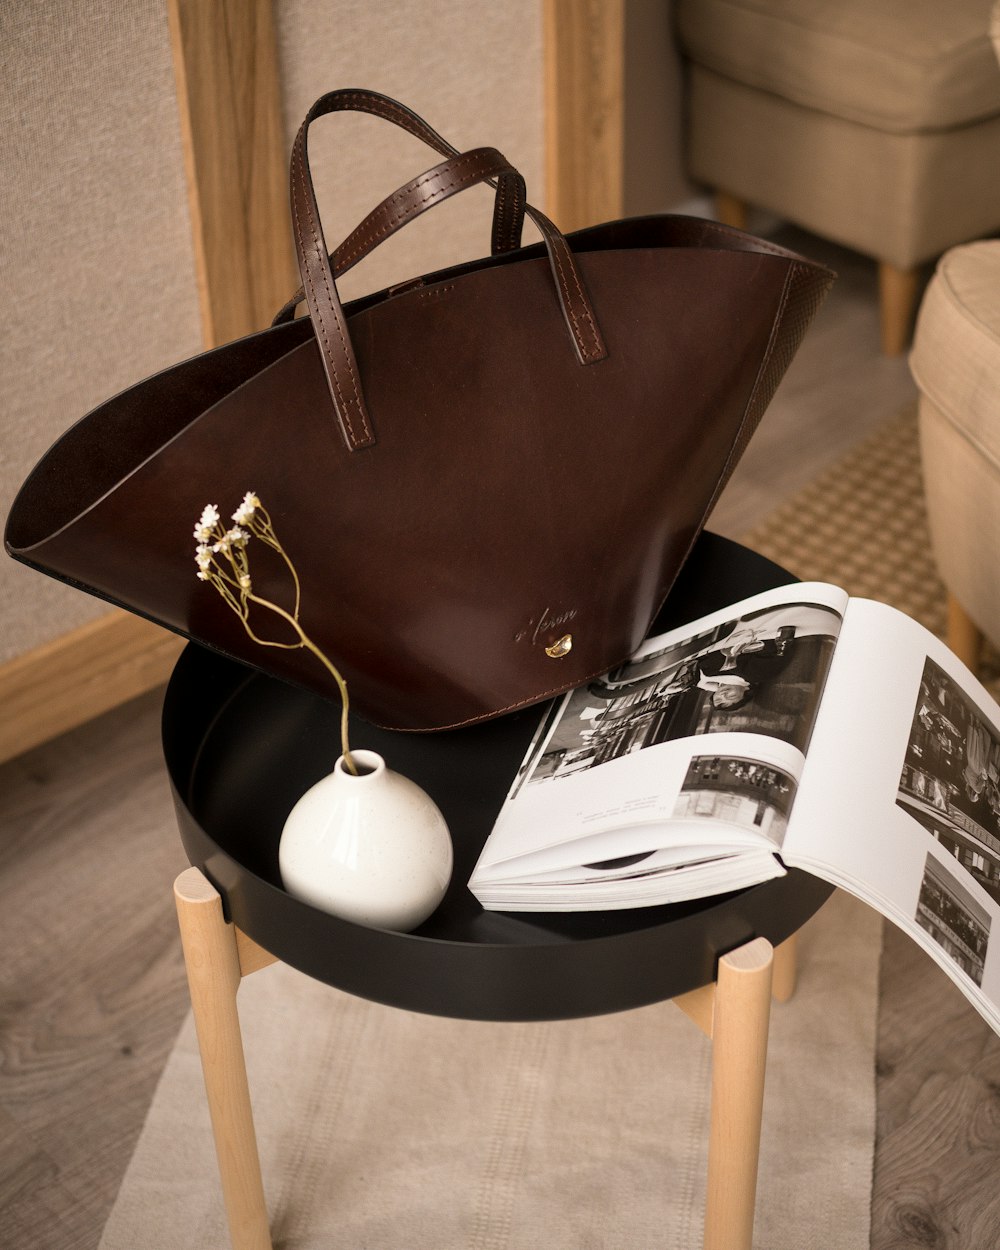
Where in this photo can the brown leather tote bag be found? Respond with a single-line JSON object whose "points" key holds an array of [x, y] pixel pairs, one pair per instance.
{"points": [[466, 469]]}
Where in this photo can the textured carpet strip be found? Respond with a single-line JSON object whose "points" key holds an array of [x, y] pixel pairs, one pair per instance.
{"points": [[862, 525]]}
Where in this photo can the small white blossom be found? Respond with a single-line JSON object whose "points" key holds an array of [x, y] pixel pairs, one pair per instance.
{"points": [[231, 579], [246, 509]]}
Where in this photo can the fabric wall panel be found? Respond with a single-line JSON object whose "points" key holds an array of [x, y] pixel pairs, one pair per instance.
{"points": [[472, 70], [96, 266]]}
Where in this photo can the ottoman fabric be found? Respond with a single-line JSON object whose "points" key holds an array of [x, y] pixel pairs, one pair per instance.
{"points": [[956, 364], [906, 66], [956, 349]]}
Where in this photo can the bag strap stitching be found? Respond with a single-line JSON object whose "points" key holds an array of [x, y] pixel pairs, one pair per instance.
{"points": [[397, 114], [391, 111], [478, 165], [518, 212], [514, 220], [575, 304], [344, 403], [503, 204], [501, 244], [558, 245]]}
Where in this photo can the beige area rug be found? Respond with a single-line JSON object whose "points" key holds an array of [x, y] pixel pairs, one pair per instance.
{"points": [[862, 525], [382, 1129]]}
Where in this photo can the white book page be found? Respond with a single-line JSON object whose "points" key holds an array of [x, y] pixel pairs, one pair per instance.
{"points": [[658, 755], [900, 798], [634, 805]]}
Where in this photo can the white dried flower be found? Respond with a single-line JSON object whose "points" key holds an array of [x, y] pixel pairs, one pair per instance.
{"points": [[246, 509], [233, 576]]}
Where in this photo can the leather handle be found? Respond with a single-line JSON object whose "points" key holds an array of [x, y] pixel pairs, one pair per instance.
{"points": [[423, 192], [508, 210], [419, 194], [319, 286]]}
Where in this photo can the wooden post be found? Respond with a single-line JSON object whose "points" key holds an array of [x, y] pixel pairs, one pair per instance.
{"points": [[785, 972], [964, 636], [897, 294], [584, 111], [730, 211], [735, 1014], [228, 93], [214, 970]]}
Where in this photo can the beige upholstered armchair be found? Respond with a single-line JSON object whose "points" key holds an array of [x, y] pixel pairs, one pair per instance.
{"points": [[874, 123], [956, 364]]}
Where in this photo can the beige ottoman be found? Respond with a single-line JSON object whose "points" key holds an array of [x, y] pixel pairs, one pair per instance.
{"points": [[874, 123], [956, 364]]}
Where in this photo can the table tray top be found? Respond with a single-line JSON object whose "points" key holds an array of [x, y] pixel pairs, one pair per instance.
{"points": [[241, 747]]}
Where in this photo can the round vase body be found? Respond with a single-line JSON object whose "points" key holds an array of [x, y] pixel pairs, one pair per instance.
{"points": [[374, 848]]}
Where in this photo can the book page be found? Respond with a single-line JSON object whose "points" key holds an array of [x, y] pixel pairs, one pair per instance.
{"points": [[900, 799], [691, 750]]}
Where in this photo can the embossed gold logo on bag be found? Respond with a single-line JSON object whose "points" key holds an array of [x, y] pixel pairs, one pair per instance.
{"points": [[539, 631]]}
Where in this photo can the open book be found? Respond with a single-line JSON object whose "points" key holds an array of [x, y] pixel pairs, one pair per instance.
{"points": [[799, 727]]}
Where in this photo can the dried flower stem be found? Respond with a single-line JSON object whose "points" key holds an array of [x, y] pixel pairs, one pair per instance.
{"points": [[222, 561]]}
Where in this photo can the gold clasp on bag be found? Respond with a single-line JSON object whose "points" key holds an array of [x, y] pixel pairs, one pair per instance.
{"points": [[563, 647]]}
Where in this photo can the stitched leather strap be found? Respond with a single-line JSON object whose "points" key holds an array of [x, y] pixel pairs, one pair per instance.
{"points": [[508, 208], [420, 193], [455, 174]]}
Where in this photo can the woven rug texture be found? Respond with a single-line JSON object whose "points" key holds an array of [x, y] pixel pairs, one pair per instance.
{"points": [[862, 525], [378, 1128]]}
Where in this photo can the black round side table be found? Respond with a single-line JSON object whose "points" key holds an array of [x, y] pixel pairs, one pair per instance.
{"points": [[240, 748]]}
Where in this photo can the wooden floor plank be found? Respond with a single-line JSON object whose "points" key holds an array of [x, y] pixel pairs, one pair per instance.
{"points": [[92, 988]]}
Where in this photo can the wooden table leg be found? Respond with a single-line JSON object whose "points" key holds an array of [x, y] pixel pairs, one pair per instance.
{"points": [[964, 636], [897, 293], [735, 1013], [786, 960], [730, 210], [739, 1053], [212, 957]]}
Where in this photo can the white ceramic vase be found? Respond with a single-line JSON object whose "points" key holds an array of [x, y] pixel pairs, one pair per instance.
{"points": [[374, 848]]}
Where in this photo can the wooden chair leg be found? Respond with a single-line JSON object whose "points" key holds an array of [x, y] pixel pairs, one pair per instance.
{"points": [[785, 971], [964, 637], [897, 293], [739, 1053], [730, 211], [736, 1014], [212, 957]]}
